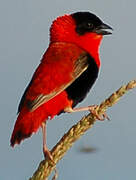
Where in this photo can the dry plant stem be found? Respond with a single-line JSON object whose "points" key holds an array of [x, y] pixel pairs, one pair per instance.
{"points": [[46, 166]]}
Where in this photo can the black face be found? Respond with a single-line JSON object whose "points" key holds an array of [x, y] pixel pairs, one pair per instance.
{"points": [[88, 22]]}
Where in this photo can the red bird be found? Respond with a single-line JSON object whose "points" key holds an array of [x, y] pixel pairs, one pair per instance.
{"points": [[65, 75]]}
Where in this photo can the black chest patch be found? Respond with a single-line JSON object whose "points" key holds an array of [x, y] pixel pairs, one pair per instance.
{"points": [[78, 90]]}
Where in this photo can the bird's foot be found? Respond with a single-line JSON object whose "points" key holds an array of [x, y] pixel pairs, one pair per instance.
{"points": [[47, 154], [93, 111]]}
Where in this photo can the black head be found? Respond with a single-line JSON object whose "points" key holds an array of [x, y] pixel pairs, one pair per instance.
{"points": [[88, 22]]}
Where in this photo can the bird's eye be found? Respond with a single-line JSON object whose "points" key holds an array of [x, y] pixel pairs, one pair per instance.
{"points": [[90, 25]]}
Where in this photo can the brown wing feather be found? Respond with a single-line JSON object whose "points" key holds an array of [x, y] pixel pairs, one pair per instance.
{"points": [[81, 64]]}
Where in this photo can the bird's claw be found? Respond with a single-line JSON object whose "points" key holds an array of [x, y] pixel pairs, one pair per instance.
{"points": [[93, 111], [47, 154]]}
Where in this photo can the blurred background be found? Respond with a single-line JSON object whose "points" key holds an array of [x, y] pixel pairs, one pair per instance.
{"points": [[107, 151]]}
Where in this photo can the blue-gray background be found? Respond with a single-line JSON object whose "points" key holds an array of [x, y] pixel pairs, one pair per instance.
{"points": [[24, 36]]}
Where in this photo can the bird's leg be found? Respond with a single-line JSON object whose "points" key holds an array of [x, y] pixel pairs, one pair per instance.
{"points": [[88, 108], [46, 151]]}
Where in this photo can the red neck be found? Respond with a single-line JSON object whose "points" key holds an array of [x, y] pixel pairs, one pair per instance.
{"points": [[90, 42], [63, 30]]}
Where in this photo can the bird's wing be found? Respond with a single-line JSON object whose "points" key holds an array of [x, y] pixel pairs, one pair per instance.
{"points": [[61, 65]]}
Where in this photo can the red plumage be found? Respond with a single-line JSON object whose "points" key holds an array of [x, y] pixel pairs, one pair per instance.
{"points": [[71, 57], [55, 70]]}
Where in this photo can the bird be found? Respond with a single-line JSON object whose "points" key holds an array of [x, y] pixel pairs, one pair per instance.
{"points": [[65, 75]]}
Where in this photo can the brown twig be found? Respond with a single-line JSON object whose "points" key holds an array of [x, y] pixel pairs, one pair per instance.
{"points": [[46, 166]]}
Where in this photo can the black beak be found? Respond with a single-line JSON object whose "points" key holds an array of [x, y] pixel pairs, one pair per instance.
{"points": [[103, 29]]}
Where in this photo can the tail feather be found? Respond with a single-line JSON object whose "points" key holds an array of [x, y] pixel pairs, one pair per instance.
{"points": [[18, 137], [27, 123]]}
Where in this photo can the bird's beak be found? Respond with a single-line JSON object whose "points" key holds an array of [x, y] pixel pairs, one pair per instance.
{"points": [[103, 29]]}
